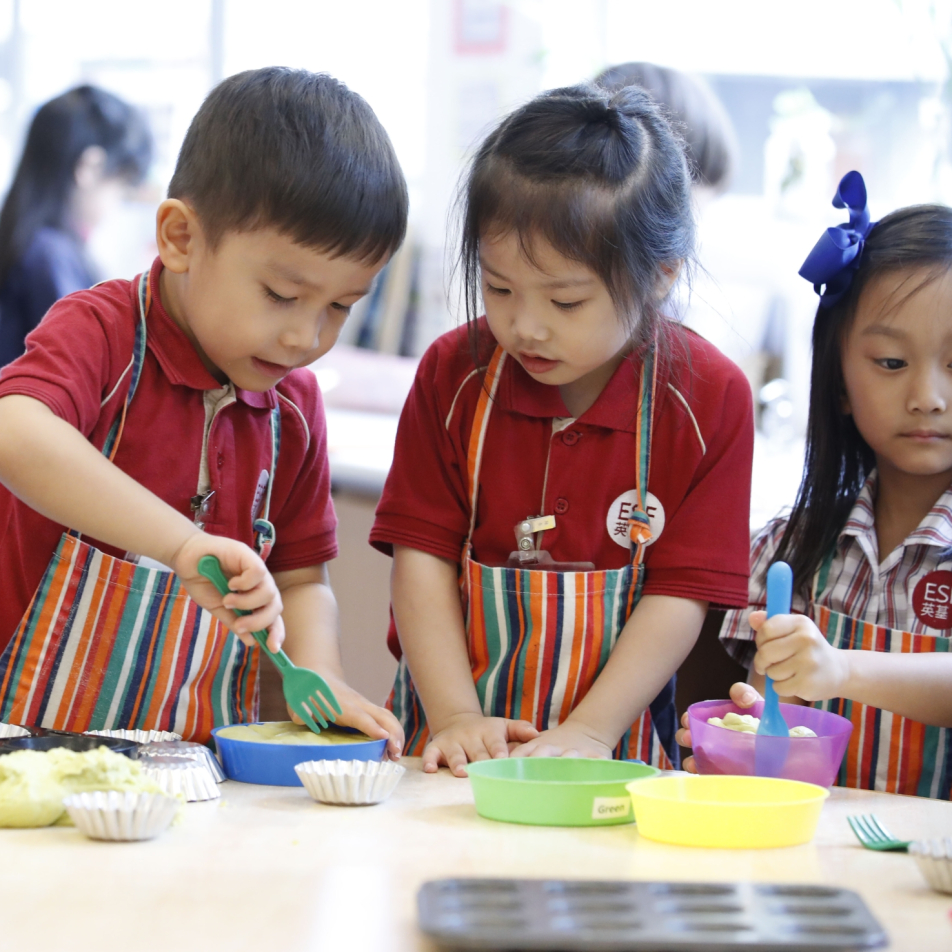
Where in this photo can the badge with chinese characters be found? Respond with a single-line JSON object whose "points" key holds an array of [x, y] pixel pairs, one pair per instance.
{"points": [[619, 512], [932, 600]]}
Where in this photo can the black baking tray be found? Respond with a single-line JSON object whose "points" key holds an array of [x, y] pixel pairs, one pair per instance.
{"points": [[45, 739], [621, 916]]}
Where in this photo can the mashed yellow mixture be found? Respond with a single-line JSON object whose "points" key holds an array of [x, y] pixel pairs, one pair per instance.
{"points": [[748, 724], [33, 783], [287, 732]]}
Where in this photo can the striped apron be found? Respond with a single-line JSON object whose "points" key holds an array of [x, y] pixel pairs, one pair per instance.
{"points": [[886, 751], [537, 640], [109, 644]]}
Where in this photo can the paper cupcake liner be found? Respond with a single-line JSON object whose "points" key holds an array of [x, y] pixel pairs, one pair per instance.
{"points": [[140, 737], [185, 750], [349, 782], [111, 815], [934, 859], [180, 775], [13, 730]]}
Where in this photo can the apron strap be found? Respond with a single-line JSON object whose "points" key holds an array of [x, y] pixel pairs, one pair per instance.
{"points": [[639, 525], [265, 533], [111, 445], [134, 369], [477, 435]]}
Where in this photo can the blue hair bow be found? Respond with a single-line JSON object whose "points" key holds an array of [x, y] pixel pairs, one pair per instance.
{"points": [[836, 256]]}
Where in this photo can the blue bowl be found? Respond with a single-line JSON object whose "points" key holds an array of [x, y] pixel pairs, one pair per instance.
{"points": [[273, 764]]}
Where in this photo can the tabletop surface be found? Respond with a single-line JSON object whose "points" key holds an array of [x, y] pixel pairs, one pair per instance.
{"points": [[266, 867]]}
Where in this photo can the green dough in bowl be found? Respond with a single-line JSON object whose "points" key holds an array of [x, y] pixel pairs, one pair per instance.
{"points": [[287, 732]]}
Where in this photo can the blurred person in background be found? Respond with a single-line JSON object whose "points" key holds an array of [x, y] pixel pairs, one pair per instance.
{"points": [[695, 111], [736, 311], [82, 150]]}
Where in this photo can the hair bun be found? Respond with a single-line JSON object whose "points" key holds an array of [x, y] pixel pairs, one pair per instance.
{"points": [[600, 110]]}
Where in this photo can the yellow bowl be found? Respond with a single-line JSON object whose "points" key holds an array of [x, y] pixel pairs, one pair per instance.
{"points": [[727, 812]]}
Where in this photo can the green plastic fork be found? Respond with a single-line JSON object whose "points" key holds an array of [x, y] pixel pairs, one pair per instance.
{"points": [[306, 692], [874, 836]]}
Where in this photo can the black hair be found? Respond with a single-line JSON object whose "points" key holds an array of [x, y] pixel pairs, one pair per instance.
{"points": [[695, 111], [601, 177], [838, 459], [295, 151], [60, 132]]}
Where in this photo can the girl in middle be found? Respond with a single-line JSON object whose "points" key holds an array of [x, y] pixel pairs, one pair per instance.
{"points": [[570, 486]]}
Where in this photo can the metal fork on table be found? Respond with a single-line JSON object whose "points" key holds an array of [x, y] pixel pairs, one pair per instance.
{"points": [[874, 836]]}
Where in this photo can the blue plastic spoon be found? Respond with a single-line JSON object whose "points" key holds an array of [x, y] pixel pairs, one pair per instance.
{"points": [[773, 736]]}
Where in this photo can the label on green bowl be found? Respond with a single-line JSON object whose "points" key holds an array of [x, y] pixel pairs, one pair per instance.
{"points": [[610, 808]]}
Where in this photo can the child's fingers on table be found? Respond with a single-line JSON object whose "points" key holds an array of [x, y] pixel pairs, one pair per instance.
{"points": [[432, 758], [689, 765], [497, 747], [445, 751], [520, 730], [456, 759]]}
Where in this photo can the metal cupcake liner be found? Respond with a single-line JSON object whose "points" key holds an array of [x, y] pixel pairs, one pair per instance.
{"points": [[185, 750], [934, 859], [181, 775], [122, 816], [140, 737], [349, 782], [13, 730]]}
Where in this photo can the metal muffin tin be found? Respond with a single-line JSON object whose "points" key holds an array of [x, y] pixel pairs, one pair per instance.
{"points": [[350, 782], [120, 816], [593, 916], [13, 730], [139, 736], [181, 775], [185, 750], [934, 859]]}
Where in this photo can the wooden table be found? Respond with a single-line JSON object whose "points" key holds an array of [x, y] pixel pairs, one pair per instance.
{"points": [[266, 868]]}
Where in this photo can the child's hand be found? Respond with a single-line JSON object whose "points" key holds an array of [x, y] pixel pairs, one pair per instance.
{"points": [[802, 663], [253, 588], [566, 740], [742, 694], [471, 737], [364, 716]]}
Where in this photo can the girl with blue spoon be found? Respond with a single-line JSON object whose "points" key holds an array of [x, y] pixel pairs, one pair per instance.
{"points": [[870, 535]]}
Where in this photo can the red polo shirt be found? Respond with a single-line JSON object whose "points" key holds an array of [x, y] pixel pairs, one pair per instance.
{"points": [[75, 359], [585, 474]]}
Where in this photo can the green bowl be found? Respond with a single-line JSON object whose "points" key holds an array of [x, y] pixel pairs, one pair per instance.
{"points": [[556, 791]]}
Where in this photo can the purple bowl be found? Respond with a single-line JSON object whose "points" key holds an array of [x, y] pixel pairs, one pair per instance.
{"points": [[810, 759]]}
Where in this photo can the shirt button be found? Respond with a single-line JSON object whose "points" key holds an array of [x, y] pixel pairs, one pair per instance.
{"points": [[570, 437], [221, 460], [561, 505]]}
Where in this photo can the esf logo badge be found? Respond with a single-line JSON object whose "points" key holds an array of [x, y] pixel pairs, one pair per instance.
{"points": [[619, 512], [932, 600]]}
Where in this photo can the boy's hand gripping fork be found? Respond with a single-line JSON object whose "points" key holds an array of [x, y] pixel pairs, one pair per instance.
{"points": [[306, 692]]}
